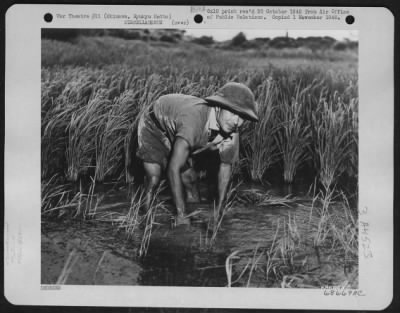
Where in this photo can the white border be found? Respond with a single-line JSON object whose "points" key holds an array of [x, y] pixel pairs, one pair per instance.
{"points": [[22, 167]]}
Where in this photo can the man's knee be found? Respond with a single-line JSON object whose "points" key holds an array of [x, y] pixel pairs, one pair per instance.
{"points": [[153, 174], [189, 177], [153, 180]]}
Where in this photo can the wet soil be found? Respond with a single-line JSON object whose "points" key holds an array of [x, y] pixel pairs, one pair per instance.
{"points": [[99, 251]]}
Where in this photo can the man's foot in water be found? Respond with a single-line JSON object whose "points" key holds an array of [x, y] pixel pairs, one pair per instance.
{"points": [[181, 219]]}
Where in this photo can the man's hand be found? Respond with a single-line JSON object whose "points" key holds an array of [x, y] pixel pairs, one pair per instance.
{"points": [[224, 176], [180, 154]]}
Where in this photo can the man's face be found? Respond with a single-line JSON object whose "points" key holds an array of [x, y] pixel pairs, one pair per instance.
{"points": [[229, 122]]}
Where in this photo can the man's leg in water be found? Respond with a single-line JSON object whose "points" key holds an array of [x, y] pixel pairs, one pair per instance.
{"points": [[153, 175], [190, 182]]}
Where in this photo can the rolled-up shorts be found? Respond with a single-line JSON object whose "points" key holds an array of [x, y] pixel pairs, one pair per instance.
{"points": [[154, 145]]}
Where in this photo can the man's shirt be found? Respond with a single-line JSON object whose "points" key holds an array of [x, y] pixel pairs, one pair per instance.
{"points": [[193, 120]]}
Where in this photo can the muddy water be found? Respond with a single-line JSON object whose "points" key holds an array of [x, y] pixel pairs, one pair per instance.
{"points": [[98, 251]]}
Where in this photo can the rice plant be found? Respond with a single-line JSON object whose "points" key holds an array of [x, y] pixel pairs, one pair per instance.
{"points": [[219, 212], [57, 198], [90, 209], [149, 221], [98, 266], [250, 266], [81, 136], [329, 232], [135, 220], [73, 257], [321, 230], [258, 139], [70, 116], [344, 227], [110, 135], [294, 135], [262, 198], [332, 142], [229, 267], [54, 125]]}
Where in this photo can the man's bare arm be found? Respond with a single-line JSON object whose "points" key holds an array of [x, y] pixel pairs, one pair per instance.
{"points": [[180, 154], [224, 176]]}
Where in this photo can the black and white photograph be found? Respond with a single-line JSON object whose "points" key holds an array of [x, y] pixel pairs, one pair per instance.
{"points": [[199, 156], [205, 158]]}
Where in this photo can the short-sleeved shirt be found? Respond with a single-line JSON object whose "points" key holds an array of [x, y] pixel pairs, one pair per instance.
{"points": [[177, 115], [183, 116]]}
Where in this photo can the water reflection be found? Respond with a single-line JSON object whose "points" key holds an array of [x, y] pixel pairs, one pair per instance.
{"points": [[176, 257]]}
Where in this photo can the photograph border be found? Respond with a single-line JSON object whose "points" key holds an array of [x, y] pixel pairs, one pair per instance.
{"points": [[22, 227]]}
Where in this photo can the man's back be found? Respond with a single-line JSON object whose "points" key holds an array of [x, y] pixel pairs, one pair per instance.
{"points": [[183, 116]]}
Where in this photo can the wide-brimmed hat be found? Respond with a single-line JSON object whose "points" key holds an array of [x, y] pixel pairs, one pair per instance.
{"points": [[238, 98]]}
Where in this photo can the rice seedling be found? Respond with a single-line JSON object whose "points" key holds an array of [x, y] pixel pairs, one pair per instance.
{"points": [[149, 220], [73, 257], [133, 219], [56, 197], [148, 228], [262, 198], [344, 228], [270, 256], [297, 281], [91, 207], [229, 266], [254, 263], [98, 266], [259, 260], [50, 190], [219, 212], [287, 245]]}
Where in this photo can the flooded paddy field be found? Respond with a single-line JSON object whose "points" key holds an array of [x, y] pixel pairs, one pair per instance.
{"points": [[264, 238]]}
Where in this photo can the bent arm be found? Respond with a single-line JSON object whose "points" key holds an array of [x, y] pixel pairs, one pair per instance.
{"points": [[180, 154], [224, 175]]}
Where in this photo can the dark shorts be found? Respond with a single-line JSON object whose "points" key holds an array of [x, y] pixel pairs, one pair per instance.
{"points": [[154, 146]]}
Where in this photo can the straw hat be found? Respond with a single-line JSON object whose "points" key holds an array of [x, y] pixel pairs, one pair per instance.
{"points": [[237, 98]]}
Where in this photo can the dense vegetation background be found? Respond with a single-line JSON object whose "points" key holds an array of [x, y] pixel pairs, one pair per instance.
{"points": [[95, 83]]}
